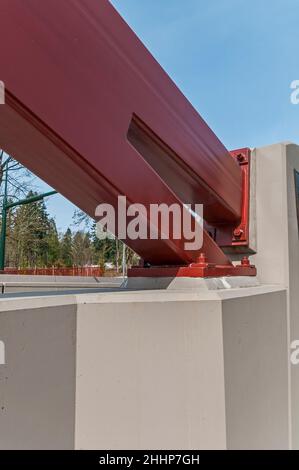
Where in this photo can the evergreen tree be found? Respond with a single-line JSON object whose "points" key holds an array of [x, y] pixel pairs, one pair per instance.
{"points": [[30, 227], [66, 251], [53, 244], [82, 250], [103, 250]]}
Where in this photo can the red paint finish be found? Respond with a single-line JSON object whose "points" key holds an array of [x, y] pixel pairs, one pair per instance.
{"points": [[76, 79], [241, 233], [193, 271], [229, 236], [201, 268]]}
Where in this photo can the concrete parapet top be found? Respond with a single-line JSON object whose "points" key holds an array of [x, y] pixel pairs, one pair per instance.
{"points": [[30, 301]]}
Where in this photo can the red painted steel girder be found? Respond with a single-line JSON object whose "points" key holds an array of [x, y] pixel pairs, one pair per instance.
{"points": [[90, 111]]}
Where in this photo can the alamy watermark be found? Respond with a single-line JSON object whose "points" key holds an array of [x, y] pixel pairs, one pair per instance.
{"points": [[294, 355], [158, 221], [2, 93], [295, 352], [295, 93], [2, 353]]}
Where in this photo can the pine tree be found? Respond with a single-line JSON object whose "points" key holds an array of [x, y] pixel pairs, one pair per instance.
{"points": [[53, 244], [66, 253], [103, 250]]}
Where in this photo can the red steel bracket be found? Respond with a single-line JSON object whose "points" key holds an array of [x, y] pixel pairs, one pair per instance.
{"points": [[236, 237], [199, 269], [225, 236], [241, 233]]}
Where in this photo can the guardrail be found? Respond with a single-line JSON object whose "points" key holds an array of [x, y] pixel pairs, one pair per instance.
{"points": [[85, 271]]}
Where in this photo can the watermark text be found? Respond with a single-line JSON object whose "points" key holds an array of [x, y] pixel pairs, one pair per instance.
{"points": [[295, 93], [158, 221], [2, 93], [2, 353], [295, 352]]}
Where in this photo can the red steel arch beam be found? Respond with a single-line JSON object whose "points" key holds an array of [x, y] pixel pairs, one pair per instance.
{"points": [[90, 111]]}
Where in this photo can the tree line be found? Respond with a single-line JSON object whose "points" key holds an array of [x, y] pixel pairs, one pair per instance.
{"points": [[34, 241], [32, 238]]}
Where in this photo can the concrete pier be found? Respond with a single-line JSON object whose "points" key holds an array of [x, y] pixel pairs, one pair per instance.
{"points": [[153, 370], [163, 364]]}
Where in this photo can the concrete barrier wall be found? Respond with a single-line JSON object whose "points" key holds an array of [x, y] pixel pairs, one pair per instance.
{"points": [[163, 369], [38, 381], [277, 257], [256, 371], [24, 284]]}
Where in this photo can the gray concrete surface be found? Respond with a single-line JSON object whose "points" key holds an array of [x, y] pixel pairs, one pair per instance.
{"points": [[10, 283], [277, 257], [190, 283], [38, 381], [256, 372]]}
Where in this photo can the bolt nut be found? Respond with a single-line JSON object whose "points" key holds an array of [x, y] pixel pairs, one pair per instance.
{"points": [[245, 261], [202, 259], [238, 232], [240, 157]]}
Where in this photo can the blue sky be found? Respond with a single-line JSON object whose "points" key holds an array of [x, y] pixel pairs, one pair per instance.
{"points": [[233, 59]]}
